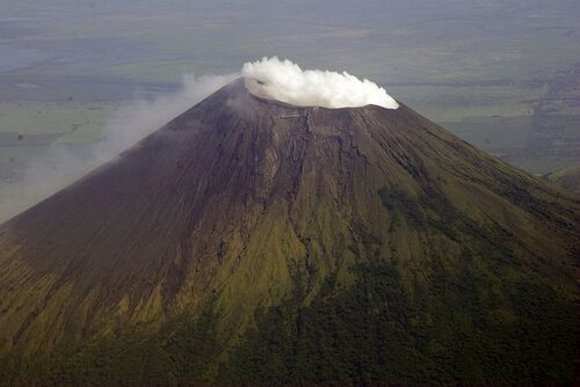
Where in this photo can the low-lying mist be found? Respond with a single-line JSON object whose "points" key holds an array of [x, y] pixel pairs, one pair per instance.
{"points": [[129, 124]]}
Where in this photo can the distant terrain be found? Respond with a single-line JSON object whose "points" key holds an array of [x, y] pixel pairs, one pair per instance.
{"points": [[502, 74]]}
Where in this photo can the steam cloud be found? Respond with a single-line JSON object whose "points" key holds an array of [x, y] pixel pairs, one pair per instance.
{"points": [[268, 78], [287, 82]]}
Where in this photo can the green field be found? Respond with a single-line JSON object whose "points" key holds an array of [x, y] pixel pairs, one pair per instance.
{"points": [[77, 122]]}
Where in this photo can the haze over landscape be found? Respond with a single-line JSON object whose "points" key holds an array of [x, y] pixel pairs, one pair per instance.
{"points": [[502, 74], [283, 193]]}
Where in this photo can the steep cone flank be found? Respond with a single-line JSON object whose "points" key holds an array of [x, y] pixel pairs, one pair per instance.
{"points": [[253, 240]]}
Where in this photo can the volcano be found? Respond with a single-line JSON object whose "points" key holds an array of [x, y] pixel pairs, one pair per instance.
{"points": [[252, 241]]}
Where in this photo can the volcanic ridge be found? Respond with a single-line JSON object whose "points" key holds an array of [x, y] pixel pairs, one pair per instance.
{"points": [[251, 240]]}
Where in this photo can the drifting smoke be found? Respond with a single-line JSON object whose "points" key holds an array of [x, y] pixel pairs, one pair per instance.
{"points": [[287, 82], [63, 165], [268, 78]]}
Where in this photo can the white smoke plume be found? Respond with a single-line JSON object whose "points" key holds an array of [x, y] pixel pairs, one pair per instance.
{"points": [[63, 165], [287, 82]]}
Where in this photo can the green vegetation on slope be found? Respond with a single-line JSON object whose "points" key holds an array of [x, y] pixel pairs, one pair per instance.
{"points": [[568, 178], [182, 350], [375, 330]]}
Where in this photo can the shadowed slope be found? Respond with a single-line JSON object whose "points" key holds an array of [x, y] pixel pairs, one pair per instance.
{"points": [[253, 240]]}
